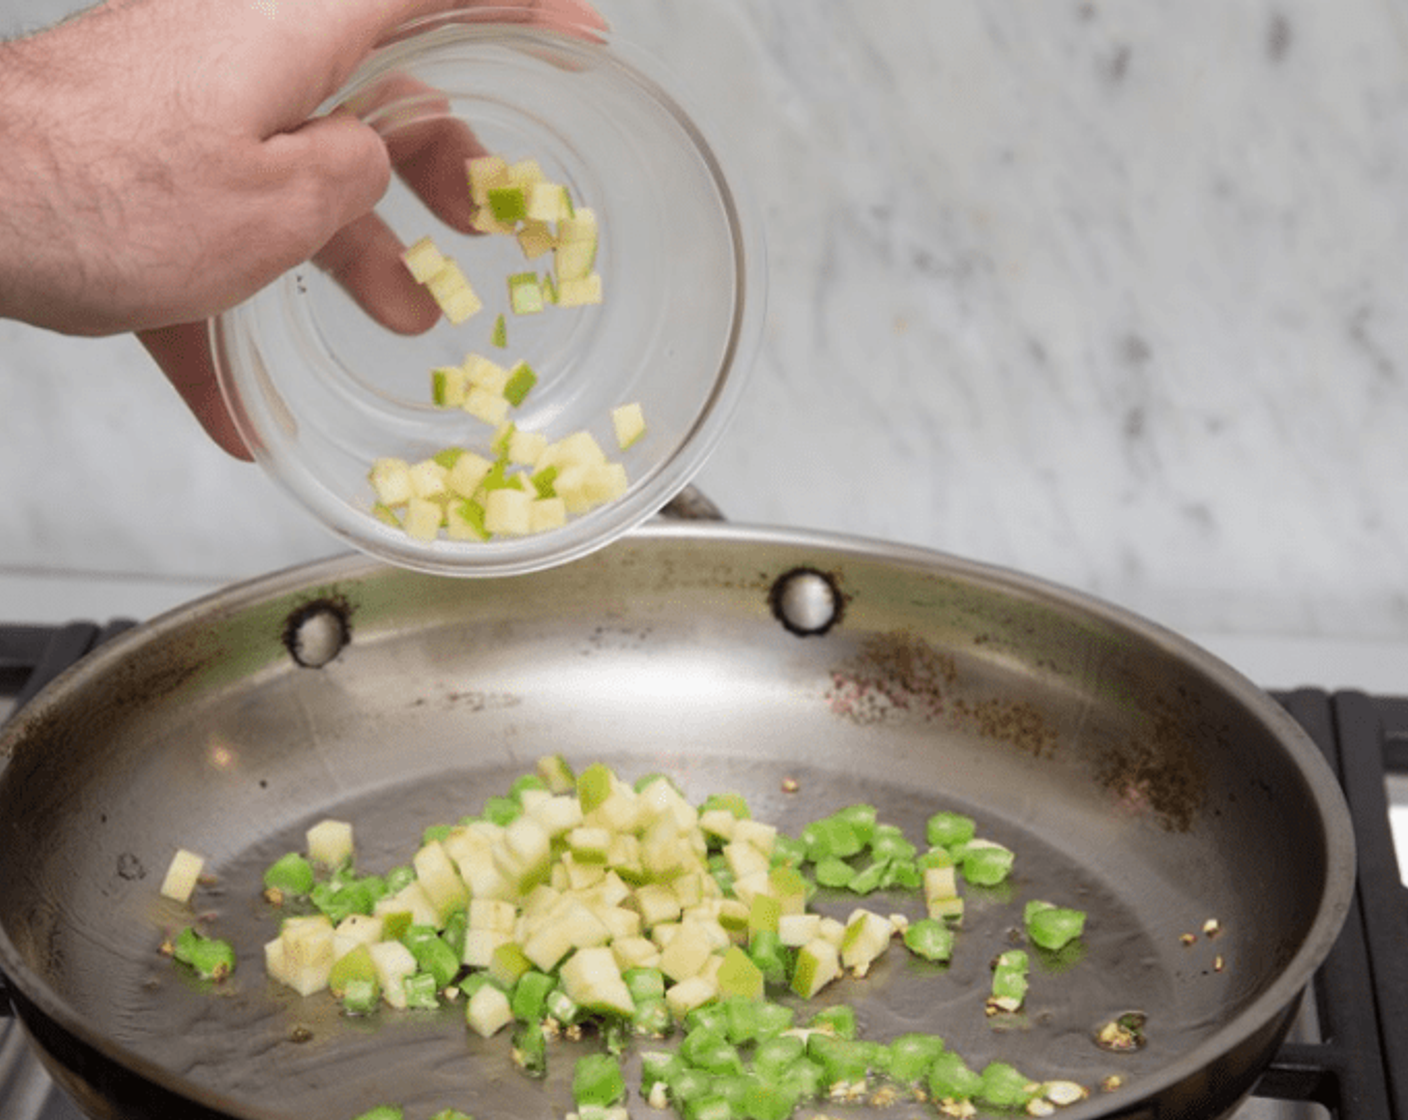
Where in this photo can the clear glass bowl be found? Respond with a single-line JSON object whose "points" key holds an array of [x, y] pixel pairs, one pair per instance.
{"points": [[319, 389]]}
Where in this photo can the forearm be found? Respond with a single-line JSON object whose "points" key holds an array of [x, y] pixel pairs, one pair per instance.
{"points": [[39, 217]]}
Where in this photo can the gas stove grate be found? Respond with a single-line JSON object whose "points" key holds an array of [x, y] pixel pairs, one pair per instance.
{"points": [[1357, 1069]]}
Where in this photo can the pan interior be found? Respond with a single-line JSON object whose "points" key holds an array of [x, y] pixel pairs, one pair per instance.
{"points": [[1129, 784]]}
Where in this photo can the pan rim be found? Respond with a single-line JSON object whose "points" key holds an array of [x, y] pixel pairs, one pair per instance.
{"points": [[1336, 893]]}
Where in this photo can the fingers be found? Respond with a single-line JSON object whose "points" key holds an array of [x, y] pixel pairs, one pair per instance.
{"points": [[365, 260], [183, 353], [426, 146]]}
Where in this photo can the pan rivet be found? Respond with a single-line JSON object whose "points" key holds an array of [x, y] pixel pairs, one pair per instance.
{"points": [[316, 633], [806, 601]]}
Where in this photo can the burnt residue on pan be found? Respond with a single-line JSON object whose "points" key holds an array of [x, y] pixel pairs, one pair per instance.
{"points": [[899, 674], [1019, 722], [1159, 773], [894, 674]]}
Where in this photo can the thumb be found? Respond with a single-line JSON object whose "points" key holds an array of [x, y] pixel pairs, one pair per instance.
{"points": [[183, 353]]}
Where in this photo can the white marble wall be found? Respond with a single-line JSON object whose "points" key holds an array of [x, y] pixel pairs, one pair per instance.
{"points": [[1106, 292]]}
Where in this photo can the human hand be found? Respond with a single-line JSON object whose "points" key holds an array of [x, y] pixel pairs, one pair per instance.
{"points": [[163, 165]]}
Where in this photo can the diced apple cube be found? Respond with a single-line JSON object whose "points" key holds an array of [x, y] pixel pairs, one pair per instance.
{"points": [[548, 202], [481, 944], [571, 486], [525, 852], [757, 833], [524, 448], [628, 421], [525, 172], [867, 937], [577, 239], [818, 963], [579, 291], [329, 842], [521, 379], [394, 963], [831, 929], [391, 481], [508, 204], [635, 952], [485, 405], [447, 280], [687, 951], [580, 447], [484, 221], [488, 1010], [525, 294], [428, 479], [463, 303], [744, 859], [940, 883], [307, 953], [508, 511], [423, 518], [558, 813], [621, 922], [685, 996], [657, 903], [535, 237], [464, 521], [795, 930], [587, 928], [182, 875], [606, 482], [440, 880], [547, 944], [354, 930], [469, 471], [593, 980], [580, 876], [448, 385], [492, 914], [410, 899], [485, 173], [485, 372], [423, 259]]}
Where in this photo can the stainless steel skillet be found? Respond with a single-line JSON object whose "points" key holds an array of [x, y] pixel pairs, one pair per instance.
{"points": [[1134, 774]]}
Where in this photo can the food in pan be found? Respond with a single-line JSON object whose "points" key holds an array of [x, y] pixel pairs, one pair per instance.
{"points": [[588, 906], [182, 874]]}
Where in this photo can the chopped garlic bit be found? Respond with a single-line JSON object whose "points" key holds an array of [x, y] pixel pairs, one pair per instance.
{"points": [[1064, 1092]]}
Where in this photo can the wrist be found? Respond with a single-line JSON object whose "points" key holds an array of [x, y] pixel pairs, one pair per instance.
{"points": [[31, 190]]}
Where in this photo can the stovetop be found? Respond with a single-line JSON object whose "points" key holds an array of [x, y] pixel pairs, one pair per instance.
{"points": [[1347, 1055]]}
